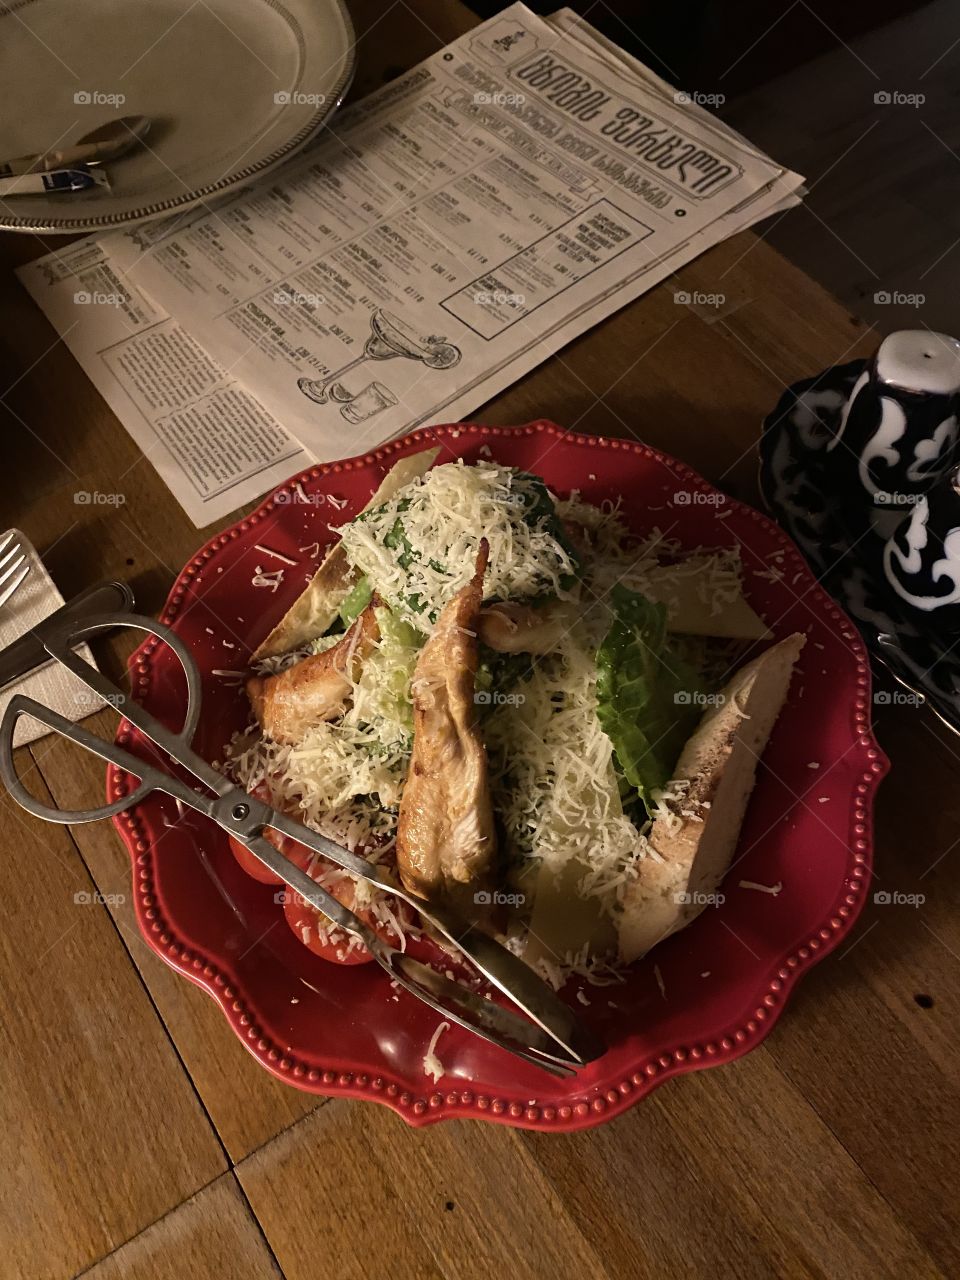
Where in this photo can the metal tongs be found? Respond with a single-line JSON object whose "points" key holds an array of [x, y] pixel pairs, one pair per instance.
{"points": [[548, 1036]]}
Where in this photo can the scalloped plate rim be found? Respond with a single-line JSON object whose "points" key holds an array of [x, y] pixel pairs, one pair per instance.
{"points": [[596, 1106]]}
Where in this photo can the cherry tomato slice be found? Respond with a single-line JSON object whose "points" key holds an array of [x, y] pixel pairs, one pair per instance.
{"points": [[313, 930], [291, 849], [326, 940]]}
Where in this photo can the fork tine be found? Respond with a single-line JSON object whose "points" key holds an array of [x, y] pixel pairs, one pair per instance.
{"points": [[7, 540], [11, 568], [8, 591], [11, 553]]}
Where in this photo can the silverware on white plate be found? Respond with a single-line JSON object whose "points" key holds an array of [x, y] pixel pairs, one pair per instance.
{"points": [[107, 142], [54, 182]]}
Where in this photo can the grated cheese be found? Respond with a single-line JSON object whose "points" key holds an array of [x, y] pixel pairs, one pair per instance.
{"points": [[268, 551], [432, 1066], [772, 889], [443, 516], [620, 558], [552, 772], [270, 578], [551, 766]]}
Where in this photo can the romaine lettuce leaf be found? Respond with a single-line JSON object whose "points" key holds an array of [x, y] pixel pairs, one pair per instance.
{"points": [[356, 601], [648, 699]]}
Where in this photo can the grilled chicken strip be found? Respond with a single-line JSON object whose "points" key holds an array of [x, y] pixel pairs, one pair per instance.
{"points": [[446, 845], [510, 627], [316, 688]]}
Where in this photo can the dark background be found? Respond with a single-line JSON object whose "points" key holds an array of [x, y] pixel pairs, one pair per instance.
{"points": [[713, 47]]}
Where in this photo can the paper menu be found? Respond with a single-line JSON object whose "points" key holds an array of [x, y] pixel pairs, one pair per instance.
{"points": [[443, 237], [213, 443]]}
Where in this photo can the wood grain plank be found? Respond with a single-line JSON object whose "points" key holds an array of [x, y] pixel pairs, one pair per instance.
{"points": [[457, 1201], [213, 1233], [727, 1172], [246, 1104], [695, 383], [89, 1083], [879, 1067]]}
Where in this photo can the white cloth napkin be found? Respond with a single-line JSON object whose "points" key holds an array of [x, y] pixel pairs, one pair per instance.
{"points": [[35, 599]]}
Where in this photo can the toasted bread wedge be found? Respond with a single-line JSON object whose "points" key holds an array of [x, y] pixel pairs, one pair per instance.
{"points": [[563, 920], [315, 609], [720, 762], [693, 607]]}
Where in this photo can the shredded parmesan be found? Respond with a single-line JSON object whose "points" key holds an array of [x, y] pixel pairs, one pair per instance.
{"points": [[552, 768], [268, 551], [660, 983], [442, 517], [772, 889], [270, 578], [552, 773], [432, 1066]]}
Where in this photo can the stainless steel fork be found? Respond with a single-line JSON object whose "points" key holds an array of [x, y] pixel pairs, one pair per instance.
{"points": [[11, 572]]}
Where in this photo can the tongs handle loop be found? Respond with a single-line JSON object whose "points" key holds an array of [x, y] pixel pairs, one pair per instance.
{"points": [[60, 642], [20, 705], [551, 1039]]}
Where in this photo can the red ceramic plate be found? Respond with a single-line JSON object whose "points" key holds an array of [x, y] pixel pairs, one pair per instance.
{"points": [[703, 997]]}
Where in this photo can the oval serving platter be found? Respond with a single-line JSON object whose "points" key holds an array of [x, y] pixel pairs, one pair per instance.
{"points": [[704, 996]]}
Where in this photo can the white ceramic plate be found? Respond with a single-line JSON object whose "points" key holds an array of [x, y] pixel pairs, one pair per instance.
{"points": [[233, 88]]}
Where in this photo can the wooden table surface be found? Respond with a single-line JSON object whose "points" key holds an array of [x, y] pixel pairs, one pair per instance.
{"points": [[139, 1139]]}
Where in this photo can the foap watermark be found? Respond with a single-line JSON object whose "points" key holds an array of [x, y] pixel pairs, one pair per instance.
{"points": [[94, 498], [897, 98], [684, 898], [898, 698], [896, 298], [98, 98], [498, 298], [891, 498], [696, 698], [87, 701], [297, 98], [93, 298], [697, 498], [494, 698], [699, 299], [296, 298], [894, 898], [686, 98], [93, 897], [285, 498], [498, 898], [500, 99]]}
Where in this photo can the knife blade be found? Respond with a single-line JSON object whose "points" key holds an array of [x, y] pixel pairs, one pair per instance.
{"points": [[26, 653]]}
